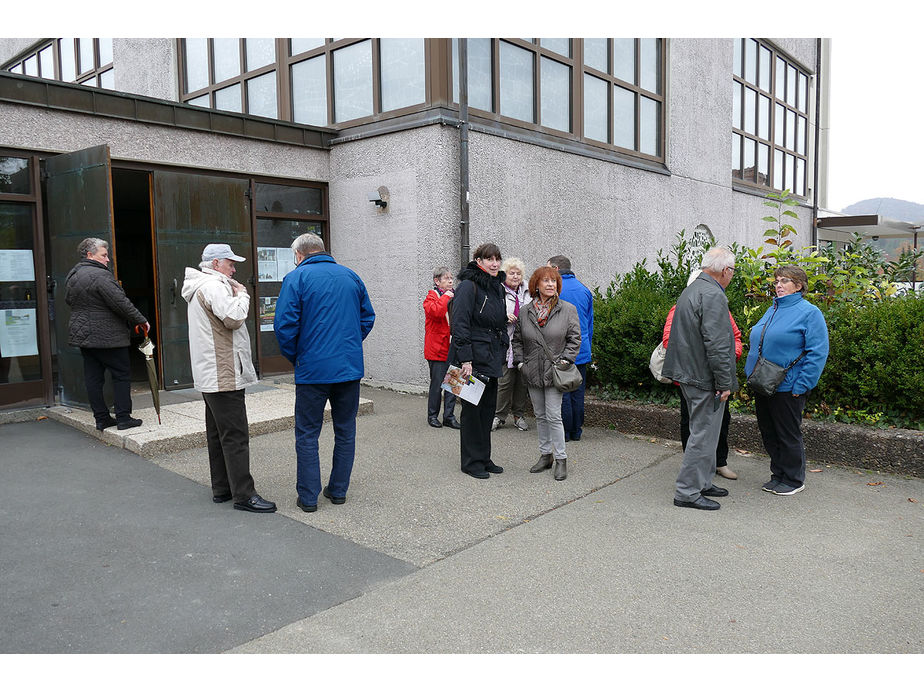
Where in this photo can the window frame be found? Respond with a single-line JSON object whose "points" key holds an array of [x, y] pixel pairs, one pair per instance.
{"points": [[90, 77]]}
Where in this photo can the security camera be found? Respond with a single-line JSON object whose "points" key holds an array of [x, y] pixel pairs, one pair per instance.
{"points": [[379, 197]]}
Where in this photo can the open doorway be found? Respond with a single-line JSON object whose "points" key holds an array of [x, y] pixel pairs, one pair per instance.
{"points": [[134, 251]]}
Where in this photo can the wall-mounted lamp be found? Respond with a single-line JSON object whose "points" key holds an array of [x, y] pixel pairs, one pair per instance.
{"points": [[875, 238], [380, 197]]}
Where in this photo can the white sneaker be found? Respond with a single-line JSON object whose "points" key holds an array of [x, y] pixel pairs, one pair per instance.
{"points": [[497, 423], [520, 423]]}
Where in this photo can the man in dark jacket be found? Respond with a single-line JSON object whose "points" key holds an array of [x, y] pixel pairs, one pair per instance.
{"points": [[323, 314], [100, 324], [701, 357], [578, 295]]}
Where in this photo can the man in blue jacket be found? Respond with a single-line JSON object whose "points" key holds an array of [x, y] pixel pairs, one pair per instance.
{"points": [[323, 314], [572, 291]]}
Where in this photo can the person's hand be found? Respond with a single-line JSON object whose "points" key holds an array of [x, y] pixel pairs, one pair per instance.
{"points": [[146, 327], [511, 318], [724, 394], [236, 286], [466, 370], [450, 292]]}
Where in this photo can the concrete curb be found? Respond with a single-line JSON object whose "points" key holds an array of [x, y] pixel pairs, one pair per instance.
{"points": [[895, 451]]}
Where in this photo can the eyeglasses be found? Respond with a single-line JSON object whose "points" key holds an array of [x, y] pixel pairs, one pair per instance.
{"points": [[782, 280], [731, 269]]}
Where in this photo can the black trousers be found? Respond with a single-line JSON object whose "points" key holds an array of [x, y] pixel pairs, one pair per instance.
{"points": [[475, 435], [779, 418], [95, 364], [437, 373], [721, 449], [228, 436]]}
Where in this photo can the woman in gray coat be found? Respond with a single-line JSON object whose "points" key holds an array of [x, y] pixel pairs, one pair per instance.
{"points": [[549, 326]]}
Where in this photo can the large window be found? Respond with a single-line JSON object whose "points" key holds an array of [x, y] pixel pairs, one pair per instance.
{"points": [[606, 92], [770, 97], [82, 60], [314, 81]]}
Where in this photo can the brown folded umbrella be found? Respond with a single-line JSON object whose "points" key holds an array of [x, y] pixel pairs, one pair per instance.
{"points": [[147, 348]]}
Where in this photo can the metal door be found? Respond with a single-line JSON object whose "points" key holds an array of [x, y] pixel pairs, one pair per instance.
{"points": [[78, 192], [191, 211]]}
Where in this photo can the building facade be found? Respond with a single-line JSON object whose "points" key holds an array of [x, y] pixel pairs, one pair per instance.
{"points": [[598, 149]]}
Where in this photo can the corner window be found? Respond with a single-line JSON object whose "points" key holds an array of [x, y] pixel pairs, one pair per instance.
{"points": [[83, 60]]}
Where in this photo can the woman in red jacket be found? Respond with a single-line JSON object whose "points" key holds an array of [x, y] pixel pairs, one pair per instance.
{"points": [[436, 347], [721, 450]]}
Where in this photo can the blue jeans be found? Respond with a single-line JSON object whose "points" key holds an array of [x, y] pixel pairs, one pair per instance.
{"points": [[572, 408], [309, 417]]}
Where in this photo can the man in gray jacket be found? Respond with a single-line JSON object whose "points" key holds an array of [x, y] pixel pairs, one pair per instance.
{"points": [[701, 357]]}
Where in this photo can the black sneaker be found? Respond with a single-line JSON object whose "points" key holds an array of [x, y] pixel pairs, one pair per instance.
{"points": [[128, 423], [786, 490], [106, 423], [493, 468], [770, 485]]}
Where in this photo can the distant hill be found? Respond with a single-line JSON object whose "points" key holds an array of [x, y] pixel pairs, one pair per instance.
{"points": [[888, 207]]}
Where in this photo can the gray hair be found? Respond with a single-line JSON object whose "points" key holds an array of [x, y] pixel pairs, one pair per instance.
{"points": [[717, 259], [206, 264], [308, 243], [440, 271], [514, 262], [561, 262], [91, 246]]}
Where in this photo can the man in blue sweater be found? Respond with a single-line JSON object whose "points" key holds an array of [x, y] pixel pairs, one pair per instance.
{"points": [[323, 314], [572, 291]]}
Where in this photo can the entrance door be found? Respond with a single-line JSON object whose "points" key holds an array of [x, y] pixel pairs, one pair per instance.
{"points": [[191, 211], [79, 201]]}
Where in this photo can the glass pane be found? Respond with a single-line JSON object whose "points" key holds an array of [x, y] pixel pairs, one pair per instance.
{"points": [[650, 62], [649, 126], [778, 115], [288, 198], [736, 155], [14, 175], [803, 93], [229, 99], [780, 91], [624, 59], [763, 118], [623, 117], [200, 101], [68, 66], [300, 45], [107, 79], [47, 62], [801, 135], [791, 83], [85, 50], [17, 68], [353, 81], [32, 66], [260, 52], [790, 130], [261, 95], [596, 113], [764, 72], [799, 187], [595, 54], [479, 73], [750, 61], [91, 81], [403, 74], [562, 46], [739, 46], [309, 91], [749, 161], [790, 175], [556, 95], [750, 111], [227, 58], [736, 105], [197, 64], [516, 82], [19, 354], [763, 164], [777, 169], [105, 51]]}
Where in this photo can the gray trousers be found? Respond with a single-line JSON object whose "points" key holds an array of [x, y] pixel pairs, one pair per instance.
{"points": [[511, 394], [698, 465], [547, 407]]}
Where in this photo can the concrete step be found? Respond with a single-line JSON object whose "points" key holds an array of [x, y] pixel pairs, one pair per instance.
{"points": [[270, 408]]}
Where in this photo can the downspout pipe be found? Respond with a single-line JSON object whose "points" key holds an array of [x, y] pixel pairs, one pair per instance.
{"points": [[817, 141], [465, 247]]}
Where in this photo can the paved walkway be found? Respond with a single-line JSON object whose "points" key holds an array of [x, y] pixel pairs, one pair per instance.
{"points": [[104, 551]]}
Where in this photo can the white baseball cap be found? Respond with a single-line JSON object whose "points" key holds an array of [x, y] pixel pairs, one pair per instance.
{"points": [[220, 251]]}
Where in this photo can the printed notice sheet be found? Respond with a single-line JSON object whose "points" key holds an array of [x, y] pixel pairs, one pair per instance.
{"points": [[470, 391], [17, 332]]}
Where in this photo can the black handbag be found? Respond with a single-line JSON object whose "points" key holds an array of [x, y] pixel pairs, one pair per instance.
{"points": [[565, 375], [767, 375]]}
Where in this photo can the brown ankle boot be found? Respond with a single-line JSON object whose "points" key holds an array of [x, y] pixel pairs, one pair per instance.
{"points": [[545, 462], [561, 469]]}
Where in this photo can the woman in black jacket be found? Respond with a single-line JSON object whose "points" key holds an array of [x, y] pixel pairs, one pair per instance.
{"points": [[479, 346]]}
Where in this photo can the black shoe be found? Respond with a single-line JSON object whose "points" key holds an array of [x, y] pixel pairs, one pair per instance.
{"points": [[493, 468], [452, 423], [435, 422], [106, 423], [255, 504], [478, 475], [715, 491], [221, 498], [128, 423], [575, 436], [336, 500], [306, 508], [700, 503]]}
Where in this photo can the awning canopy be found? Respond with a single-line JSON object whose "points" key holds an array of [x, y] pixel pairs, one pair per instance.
{"points": [[872, 226]]}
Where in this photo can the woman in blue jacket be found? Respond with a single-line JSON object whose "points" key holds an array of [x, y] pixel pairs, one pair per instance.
{"points": [[793, 327]]}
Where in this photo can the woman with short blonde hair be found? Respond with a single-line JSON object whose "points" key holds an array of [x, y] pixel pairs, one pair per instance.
{"points": [[512, 395]]}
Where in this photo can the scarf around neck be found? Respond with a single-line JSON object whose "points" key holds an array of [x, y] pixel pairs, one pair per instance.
{"points": [[544, 307]]}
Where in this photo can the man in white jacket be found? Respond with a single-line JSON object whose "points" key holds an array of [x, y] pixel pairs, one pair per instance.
{"points": [[219, 350]]}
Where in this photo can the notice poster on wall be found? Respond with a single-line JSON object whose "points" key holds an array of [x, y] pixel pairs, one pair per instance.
{"points": [[285, 262], [266, 265], [267, 313], [17, 332], [16, 266]]}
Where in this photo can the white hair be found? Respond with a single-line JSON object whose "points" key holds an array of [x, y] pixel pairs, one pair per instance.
{"points": [[514, 262], [308, 243], [717, 259]]}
